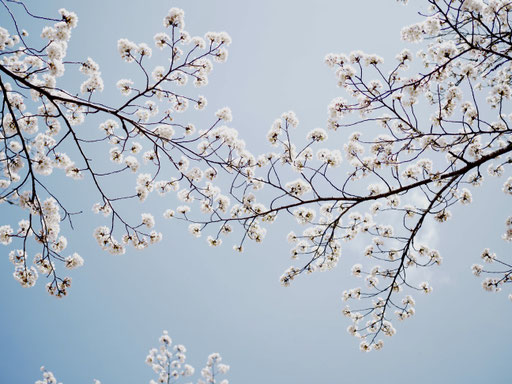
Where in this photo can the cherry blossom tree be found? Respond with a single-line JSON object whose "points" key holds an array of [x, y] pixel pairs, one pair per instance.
{"points": [[433, 124], [168, 362], [147, 135]]}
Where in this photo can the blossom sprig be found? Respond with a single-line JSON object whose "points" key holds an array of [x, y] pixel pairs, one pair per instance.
{"points": [[146, 135], [402, 172], [168, 361]]}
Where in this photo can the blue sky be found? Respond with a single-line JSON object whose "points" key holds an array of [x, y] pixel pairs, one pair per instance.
{"points": [[214, 300]]}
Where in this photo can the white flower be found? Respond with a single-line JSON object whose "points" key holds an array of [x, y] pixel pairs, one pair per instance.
{"points": [[214, 242], [158, 73], [477, 269], [183, 209], [224, 114], [74, 261], [175, 18], [165, 131], [442, 216], [364, 346], [195, 230], [298, 187], [465, 197], [490, 285], [169, 213], [93, 83], [357, 269], [425, 287], [161, 40], [507, 186], [126, 49], [132, 163], [148, 220], [144, 50], [89, 67], [55, 51], [487, 256], [70, 18], [317, 134], [291, 119], [125, 86]]}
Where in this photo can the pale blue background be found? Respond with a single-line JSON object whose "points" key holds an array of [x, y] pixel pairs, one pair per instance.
{"points": [[216, 300]]}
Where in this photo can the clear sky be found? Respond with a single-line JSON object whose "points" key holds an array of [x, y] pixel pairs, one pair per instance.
{"points": [[214, 300]]}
